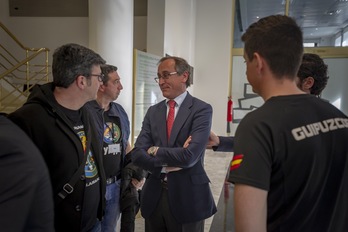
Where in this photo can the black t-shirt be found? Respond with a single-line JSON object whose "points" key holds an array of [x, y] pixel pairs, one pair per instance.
{"points": [[92, 181], [112, 146], [296, 148]]}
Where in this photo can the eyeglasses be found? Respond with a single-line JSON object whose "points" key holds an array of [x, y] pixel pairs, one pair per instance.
{"points": [[100, 76], [164, 76]]}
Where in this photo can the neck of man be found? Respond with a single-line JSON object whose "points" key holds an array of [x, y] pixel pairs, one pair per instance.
{"points": [[281, 87], [103, 103], [69, 99]]}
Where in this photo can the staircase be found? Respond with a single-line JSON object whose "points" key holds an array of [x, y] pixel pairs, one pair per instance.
{"points": [[21, 68]]}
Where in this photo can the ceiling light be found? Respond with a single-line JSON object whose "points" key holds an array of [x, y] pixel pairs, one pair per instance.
{"points": [[332, 12]]}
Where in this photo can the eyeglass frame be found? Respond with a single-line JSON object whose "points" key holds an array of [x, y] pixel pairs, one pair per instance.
{"points": [[100, 76], [165, 76]]}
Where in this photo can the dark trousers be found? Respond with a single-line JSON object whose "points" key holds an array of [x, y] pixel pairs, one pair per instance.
{"points": [[163, 220], [130, 208], [128, 218]]}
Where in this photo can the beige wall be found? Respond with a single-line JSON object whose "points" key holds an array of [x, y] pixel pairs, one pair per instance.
{"points": [[198, 30], [212, 57]]}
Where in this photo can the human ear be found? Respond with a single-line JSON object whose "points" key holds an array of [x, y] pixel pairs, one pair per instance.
{"points": [[81, 81], [186, 76], [307, 84], [259, 62], [102, 87]]}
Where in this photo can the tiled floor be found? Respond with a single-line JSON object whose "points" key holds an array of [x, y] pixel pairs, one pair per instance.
{"points": [[216, 164]]}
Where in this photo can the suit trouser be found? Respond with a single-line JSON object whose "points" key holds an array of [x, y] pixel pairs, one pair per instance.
{"points": [[163, 220]]}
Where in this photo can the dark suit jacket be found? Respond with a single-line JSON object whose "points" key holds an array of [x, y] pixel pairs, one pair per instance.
{"points": [[190, 197]]}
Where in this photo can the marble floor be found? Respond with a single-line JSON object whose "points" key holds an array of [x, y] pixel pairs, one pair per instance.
{"points": [[216, 165]]}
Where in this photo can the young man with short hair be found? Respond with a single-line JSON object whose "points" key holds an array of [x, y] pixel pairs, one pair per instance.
{"points": [[290, 164]]}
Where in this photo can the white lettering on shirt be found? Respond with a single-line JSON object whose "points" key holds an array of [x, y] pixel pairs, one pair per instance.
{"points": [[317, 128]]}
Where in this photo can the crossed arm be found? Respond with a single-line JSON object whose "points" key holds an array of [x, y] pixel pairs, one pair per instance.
{"points": [[153, 150]]}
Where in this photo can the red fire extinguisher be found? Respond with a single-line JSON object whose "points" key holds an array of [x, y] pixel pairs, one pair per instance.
{"points": [[229, 114]]}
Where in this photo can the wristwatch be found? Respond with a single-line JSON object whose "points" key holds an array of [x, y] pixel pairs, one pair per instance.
{"points": [[152, 150]]}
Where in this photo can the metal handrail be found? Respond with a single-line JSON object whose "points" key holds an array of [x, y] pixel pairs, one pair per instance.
{"points": [[9, 53], [33, 73], [17, 41], [22, 62]]}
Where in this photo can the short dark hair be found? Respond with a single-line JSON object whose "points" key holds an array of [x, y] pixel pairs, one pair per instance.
{"points": [[278, 39], [106, 69], [313, 66], [181, 66], [72, 60]]}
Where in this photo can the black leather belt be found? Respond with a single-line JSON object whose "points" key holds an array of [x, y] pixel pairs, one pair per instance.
{"points": [[111, 180]]}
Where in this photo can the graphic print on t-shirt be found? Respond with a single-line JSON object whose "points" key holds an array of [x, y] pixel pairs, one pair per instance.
{"points": [[91, 192], [90, 167], [111, 138]]}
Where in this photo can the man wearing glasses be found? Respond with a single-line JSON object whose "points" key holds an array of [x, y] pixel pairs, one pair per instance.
{"points": [[59, 125], [176, 196]]}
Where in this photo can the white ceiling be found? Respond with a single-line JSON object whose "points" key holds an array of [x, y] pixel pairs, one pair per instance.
{"points": [[318, 18]]}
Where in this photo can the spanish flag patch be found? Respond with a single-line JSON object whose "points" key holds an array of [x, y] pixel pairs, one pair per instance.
{"points": [[236, 161]]}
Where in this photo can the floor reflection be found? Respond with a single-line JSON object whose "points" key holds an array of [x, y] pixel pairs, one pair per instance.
{"points": [[223, 220]]}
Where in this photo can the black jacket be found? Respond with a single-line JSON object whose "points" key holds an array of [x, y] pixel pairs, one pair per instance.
{"points": [[42, 119], [129, 195], [26, 202]]}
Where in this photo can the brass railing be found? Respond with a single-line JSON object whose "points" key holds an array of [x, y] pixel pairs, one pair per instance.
{"points": [[21, 68]]}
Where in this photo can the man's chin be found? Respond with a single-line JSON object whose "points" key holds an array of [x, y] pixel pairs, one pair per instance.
{"points": [[115, 98], [165, 92], [165, 95]]}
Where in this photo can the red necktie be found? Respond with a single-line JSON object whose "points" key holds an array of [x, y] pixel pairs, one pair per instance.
{"points": [[170, 118]]}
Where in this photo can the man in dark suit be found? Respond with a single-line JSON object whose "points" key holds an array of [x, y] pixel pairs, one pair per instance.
{"points": [[176, 196]]}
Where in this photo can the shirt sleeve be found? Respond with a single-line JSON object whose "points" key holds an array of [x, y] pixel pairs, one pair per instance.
{"points": [[251, 163], [226, 144]]}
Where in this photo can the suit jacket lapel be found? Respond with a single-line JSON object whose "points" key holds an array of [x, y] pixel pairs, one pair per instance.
{"points": [[162, 123]]}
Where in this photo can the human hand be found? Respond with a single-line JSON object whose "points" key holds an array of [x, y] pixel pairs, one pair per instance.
{"points": [[138, 185], [213, 140], [187, 142], [152, 150]]}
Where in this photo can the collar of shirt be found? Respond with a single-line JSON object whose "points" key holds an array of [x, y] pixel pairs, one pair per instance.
{"points": [[179, 99]]}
